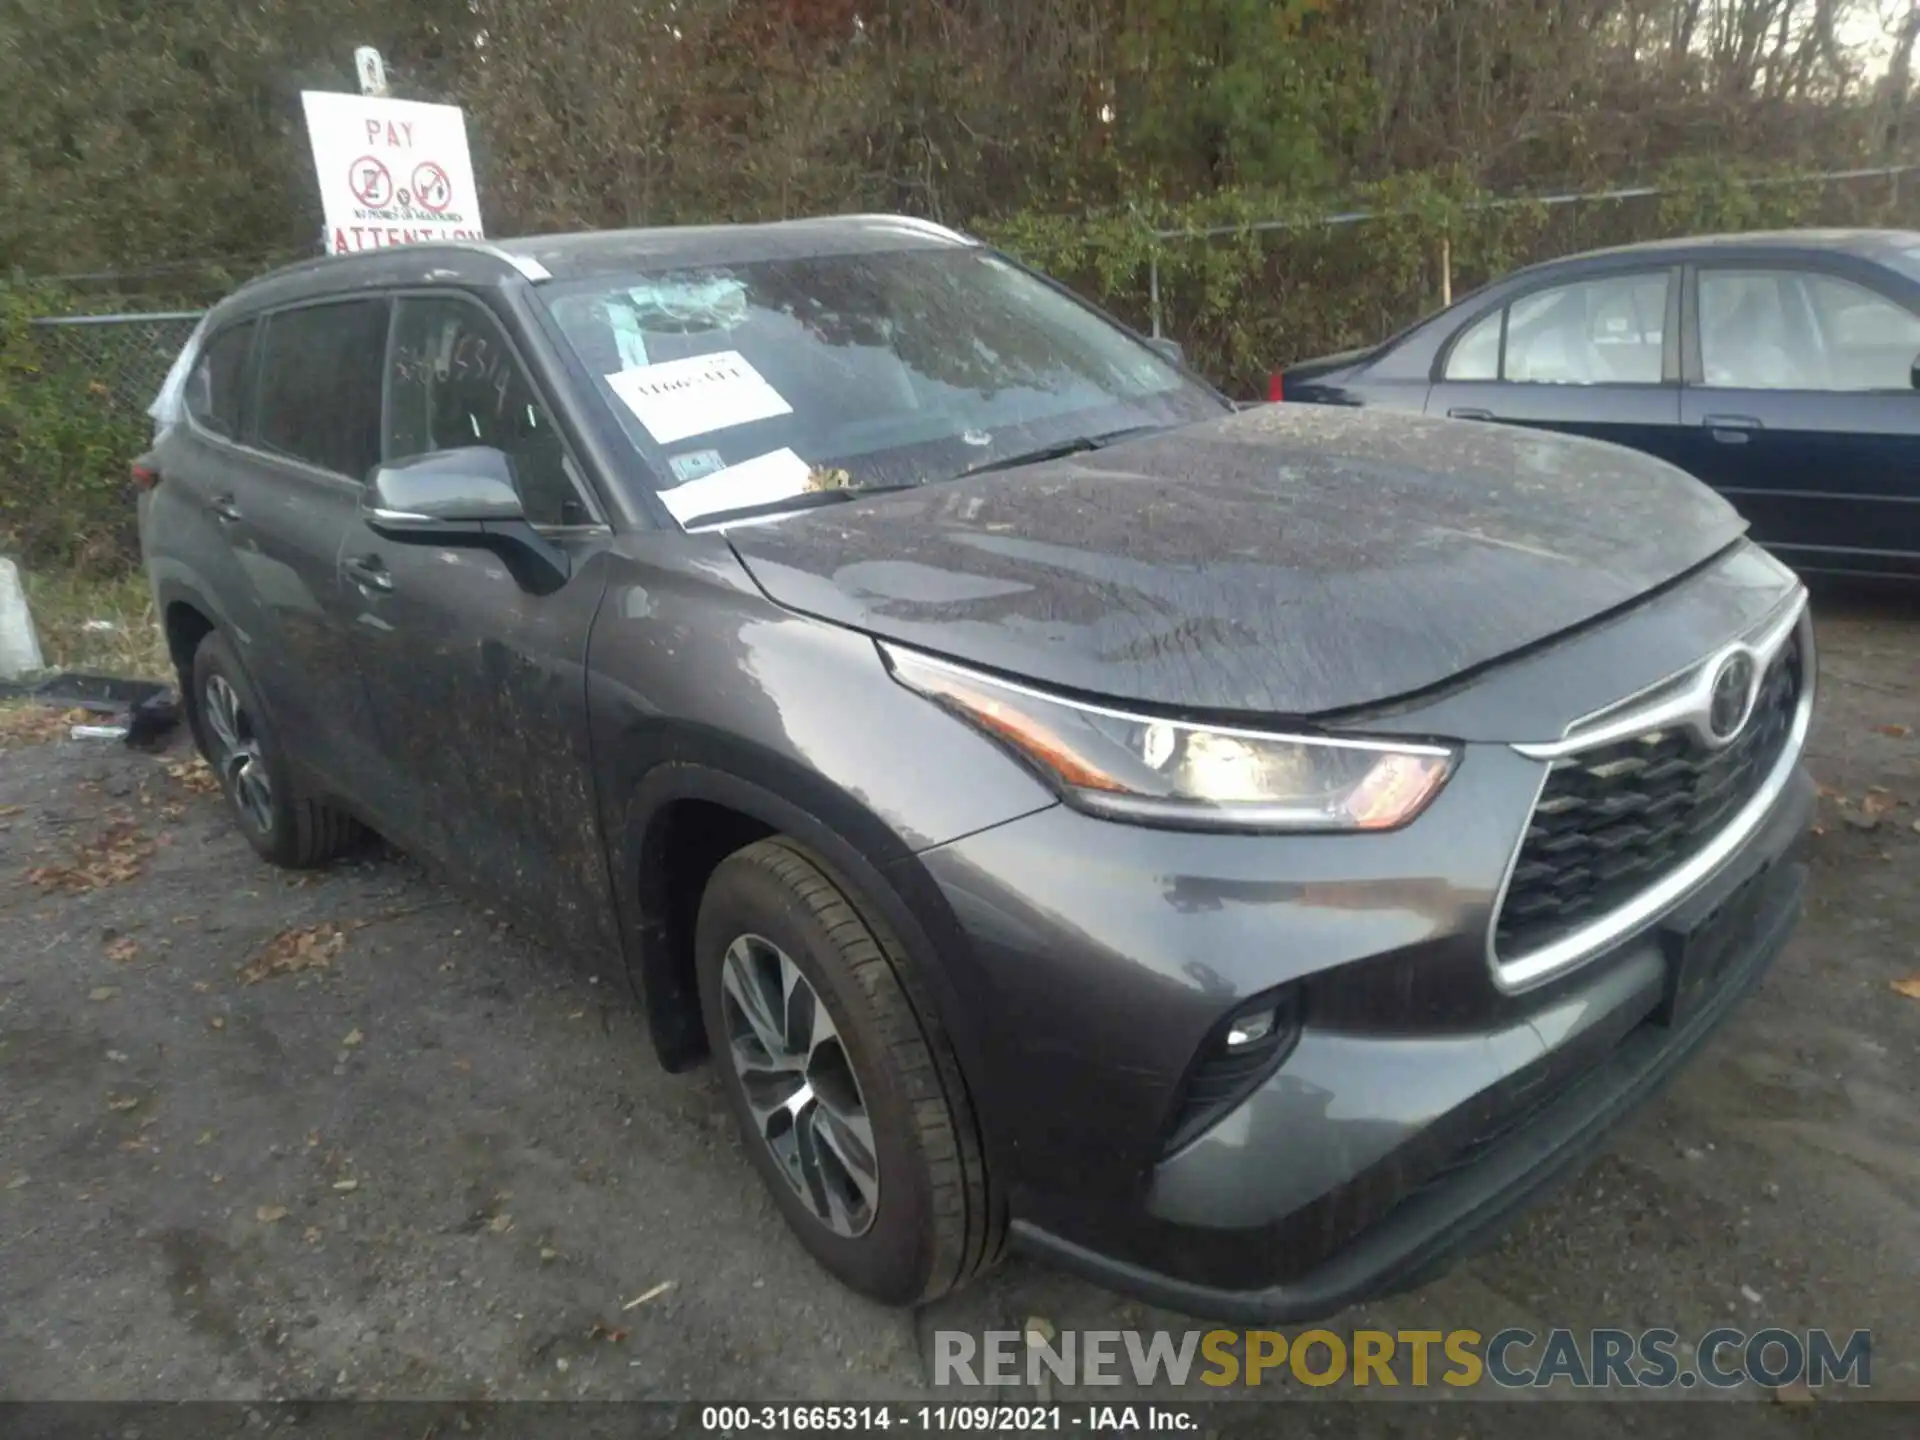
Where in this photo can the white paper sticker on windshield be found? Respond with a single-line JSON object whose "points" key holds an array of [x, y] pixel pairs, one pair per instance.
{"points": [[777, 475], [698, 395]]}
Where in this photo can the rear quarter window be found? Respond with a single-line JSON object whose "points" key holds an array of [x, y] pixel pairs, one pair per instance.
{"points": [[221, 386]]}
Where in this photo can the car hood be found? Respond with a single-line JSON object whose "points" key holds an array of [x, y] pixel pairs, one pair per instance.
{"points": [[1288, 560]]}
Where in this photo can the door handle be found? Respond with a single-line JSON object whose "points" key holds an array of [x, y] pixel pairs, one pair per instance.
{"points": [[224, 509], [1731, 429], [369, 573], [1469, 412]]}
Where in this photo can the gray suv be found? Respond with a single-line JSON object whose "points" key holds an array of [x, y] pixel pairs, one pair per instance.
{"points": [[1239, 855]]}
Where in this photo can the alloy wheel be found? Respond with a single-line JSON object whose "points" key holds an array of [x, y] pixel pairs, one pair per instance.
{"points": [[237, 757], [800, 1085]]}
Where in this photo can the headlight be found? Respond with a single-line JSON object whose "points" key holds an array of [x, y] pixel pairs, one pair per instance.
{"points": [[1168, 772]]}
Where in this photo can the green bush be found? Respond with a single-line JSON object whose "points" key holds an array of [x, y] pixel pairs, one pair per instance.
{"points": [[65, 443]]}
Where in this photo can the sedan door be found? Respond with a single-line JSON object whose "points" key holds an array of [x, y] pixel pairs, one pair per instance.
{"points": [[1596, 355], [478, 682], [1799, 407]]}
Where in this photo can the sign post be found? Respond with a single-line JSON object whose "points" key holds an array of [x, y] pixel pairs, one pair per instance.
{"points": [[391, 172]]}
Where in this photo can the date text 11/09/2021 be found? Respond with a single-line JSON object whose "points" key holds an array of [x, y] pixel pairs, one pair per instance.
{"points": [[973, 1418]]}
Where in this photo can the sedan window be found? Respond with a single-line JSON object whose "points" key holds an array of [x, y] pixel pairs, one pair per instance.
{"points": [[1594, 332], [1610, 331], [1798, 330], [1476, 354], [1870, 343]]}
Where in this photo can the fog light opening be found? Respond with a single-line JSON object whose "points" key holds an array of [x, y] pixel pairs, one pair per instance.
{"points": [[1248, 1030], [1246, 1047]]}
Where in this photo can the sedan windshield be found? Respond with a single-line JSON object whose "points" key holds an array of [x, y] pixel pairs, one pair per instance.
{"points": [[748, 387]]}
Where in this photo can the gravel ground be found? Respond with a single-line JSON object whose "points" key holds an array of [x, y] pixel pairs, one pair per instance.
{"points": [[345, 1134]]}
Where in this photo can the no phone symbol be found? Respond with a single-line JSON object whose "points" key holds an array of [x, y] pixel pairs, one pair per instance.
{"points": [[371, 184], [432, 190]]}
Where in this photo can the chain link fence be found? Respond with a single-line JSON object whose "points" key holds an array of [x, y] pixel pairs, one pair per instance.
{"points": [[120, 359]]}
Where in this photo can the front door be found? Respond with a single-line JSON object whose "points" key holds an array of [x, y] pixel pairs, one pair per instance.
{"points": [[1595, 356], [478, 683], [1799, 407]]}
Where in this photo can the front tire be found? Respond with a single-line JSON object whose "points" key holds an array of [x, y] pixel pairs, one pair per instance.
{"points": [[234, 735], [852, 1109]]}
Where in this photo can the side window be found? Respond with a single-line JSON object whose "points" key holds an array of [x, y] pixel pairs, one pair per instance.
{"points": [[320, 385], [222, 382], [1869, 341], [1476, 354], [1592, 332], [453, 381]]}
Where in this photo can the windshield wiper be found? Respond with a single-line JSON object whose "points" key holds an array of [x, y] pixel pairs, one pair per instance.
{"points": [[810, 500], [1061, 448]]}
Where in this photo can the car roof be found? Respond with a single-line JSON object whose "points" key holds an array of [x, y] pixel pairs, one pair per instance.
{"points": [[583, 254], [1869, 244]]}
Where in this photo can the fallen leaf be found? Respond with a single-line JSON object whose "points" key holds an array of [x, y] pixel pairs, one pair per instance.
{"points": [[658, 1290], [1909, 987], [206, 1138], [218, 1022], [123, 949], [33, 724], [112, 857], [1894, 732], [311, 1234], [603, 1331], [1876, 803], [547, 1252], [351, 1038], [500, 1224], [18, 1181], [268, 1214], [194, 775], [103, 992], [343, 1186], [291, 951], [7, 810], [123, 1102]]}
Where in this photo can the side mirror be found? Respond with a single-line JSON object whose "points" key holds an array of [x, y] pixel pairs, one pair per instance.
{"points": [[464, 496], [445, 496], [1913, 373], [1169, 349]]}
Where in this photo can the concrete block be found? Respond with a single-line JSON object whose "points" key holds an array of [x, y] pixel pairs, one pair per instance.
{"points": [[19, 645]]}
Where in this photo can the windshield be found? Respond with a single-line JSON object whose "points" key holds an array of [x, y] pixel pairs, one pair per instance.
{"points": [[748, 384]]}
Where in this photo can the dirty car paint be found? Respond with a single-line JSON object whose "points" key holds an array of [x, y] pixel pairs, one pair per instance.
{"points": [[1288, 560]]}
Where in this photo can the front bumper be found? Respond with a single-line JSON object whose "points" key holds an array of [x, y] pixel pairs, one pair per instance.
{"points": [[1491, 1176], [1422, 1105]]}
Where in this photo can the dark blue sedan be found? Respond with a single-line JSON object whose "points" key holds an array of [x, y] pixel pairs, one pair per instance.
{"points": [[1781, 369]]}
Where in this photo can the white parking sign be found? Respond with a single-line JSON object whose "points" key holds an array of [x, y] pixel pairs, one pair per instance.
{"points": [[391, 172]]}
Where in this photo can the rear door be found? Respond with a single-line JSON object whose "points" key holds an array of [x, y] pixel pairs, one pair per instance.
{"points": [[479, 684], [284, 501], [1596, 355], [1799, 406]]}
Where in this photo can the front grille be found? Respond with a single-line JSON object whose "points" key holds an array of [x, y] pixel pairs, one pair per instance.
{"points": [[1614, 820]]}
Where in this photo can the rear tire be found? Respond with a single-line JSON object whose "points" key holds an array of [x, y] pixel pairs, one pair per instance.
{"points": [[919, 1219], [233, 733]]}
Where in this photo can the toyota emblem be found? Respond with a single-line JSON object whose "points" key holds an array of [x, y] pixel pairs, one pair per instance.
{"points": [[1732, 692]]}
